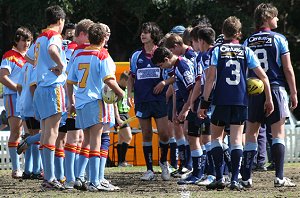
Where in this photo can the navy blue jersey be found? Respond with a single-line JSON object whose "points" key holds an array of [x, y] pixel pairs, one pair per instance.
{"points": [[232, 61], [185, 79], [146, 77], [269, 46]]}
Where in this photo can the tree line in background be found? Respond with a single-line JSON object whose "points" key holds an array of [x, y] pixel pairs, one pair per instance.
{"points": [[125, 17]]}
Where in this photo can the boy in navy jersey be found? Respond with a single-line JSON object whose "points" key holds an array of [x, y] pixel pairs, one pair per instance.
{"points": [[150, 97], [185, 80], [274, 56], [227, 73]]}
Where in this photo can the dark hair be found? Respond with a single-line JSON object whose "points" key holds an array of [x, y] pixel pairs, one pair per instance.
{"points": [[68, 26], [22, 33], [97, 33], [160, 54], [231, 26], [263, 12], [154, 30], [207, 34], [194, 32], [53, 14], [202, 21]]}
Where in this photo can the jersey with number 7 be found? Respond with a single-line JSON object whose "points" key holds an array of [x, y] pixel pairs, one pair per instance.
{"points": [[90, 68]]}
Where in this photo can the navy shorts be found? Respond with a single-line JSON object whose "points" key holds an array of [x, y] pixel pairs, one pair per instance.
{"points": [[281, 109], [229, 114], [70, 123], [155, 109]]}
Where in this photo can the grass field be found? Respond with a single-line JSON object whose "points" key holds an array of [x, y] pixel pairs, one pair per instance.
{"points": [[131, 186]]}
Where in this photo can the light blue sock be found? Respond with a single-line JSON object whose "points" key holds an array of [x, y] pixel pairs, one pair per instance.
{"points": [[70, 152], [94, 170], [14, 157], [49, 163], [102, 167], [36, 158], [33, 138], [28, 160], [82, 164]]}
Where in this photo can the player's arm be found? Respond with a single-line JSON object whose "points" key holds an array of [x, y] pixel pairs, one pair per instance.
{"points": [[209, 83], [186, 107], [169, 92], [4, 73], [29, 60], [161, 85], [130, 83], [196, 93], [70, 91], [117, 115], [55, 56], [32, 89], [19, 88], [290, 77], [112, 83], [269, 107]]}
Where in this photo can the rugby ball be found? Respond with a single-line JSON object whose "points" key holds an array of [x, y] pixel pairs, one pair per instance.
{"points": [[254, 86], [108, 95]]}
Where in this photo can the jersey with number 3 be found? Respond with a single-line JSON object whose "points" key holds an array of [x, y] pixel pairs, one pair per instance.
{"points": [[269, 46], [232, 61], [89, 70]]}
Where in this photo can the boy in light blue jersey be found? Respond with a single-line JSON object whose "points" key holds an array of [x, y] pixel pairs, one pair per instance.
{"points": [[49, 95], [227, 74], [274, 56], [10, 69], [91, 70]]}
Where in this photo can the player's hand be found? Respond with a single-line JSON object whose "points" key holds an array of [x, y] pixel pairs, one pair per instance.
{"points": [[130, 102], [159, 87], [119, 122], [269, 107], [72, 110], [202, 113], [182, 116], [294, 101], [57, 70]]}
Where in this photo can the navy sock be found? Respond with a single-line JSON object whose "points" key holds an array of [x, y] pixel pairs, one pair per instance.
{"points": [[164, 147], [248, 155], [278, 150], [210, 164], [181, 152], [236, 159], [196, 159], [188, 162], [203, 160], [124, 151], [147, 148], [119, 150], [227, 156], [218, 158], [173, 153]]}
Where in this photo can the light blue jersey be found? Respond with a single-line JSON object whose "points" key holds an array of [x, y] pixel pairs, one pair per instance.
{"points": [[89, 70], [43, 61]]}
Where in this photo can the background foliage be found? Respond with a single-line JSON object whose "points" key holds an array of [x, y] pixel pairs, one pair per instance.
{"points": [[126, 16]]}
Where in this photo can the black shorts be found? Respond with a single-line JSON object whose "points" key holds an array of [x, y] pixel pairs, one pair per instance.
{"points": [[32, 123], [123, 116], [69, 126], [193, 129], [155, 109], [229, 114]]}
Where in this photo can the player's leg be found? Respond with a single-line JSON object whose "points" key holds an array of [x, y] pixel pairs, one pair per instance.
{"points": [[196, 151], [172, 139], [60, 153]]}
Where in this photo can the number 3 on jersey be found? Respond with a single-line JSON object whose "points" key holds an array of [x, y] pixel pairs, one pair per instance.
{"points": [[86, 68], [263, 58]]}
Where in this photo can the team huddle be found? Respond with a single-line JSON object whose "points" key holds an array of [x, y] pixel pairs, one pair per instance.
{"points": [[192, 84]]}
